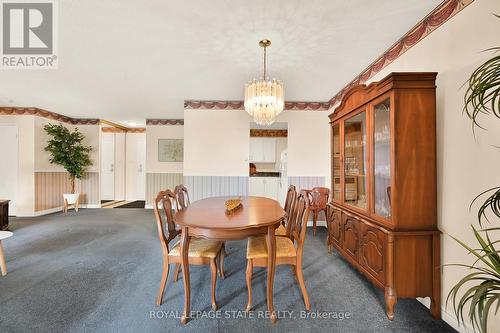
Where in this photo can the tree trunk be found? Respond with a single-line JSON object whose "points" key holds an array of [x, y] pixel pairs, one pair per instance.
{"points": [[72, 179]]}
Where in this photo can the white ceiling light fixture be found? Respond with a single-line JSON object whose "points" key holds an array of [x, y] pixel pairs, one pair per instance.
{"points": [[264, 99]]}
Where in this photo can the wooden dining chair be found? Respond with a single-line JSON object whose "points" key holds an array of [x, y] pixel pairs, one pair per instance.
{"points": [[319, 199], [181, 197], [286, 251], [285, 228], [201, 251], [182, 202]]}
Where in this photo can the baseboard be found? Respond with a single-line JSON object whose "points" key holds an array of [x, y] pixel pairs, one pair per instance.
{"points": [[60, 209], [90, 206], [48, 211], [148, 207], [449, 318]]}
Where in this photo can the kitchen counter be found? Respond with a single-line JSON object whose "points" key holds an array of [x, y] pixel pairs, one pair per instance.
{"points": [[265, 174]]}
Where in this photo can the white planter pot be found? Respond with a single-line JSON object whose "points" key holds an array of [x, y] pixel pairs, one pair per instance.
{"points": [[71, 198]]}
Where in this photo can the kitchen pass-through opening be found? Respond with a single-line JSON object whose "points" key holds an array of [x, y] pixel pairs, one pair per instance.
{"points": [[268, 161]]}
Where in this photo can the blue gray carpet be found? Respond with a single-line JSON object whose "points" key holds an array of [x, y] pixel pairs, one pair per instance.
{"points": [[98, 270]]}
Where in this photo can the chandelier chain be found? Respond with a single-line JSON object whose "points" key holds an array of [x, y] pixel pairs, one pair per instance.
{"points": [[265, 54]]}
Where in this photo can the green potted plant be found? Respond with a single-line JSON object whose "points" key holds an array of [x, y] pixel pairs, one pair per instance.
{"points": [[66, 149], [477, 294]]}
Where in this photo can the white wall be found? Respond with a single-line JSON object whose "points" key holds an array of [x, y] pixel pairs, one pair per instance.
{"points": [[25, 192], [308, 143], [153, 133], [216, 143], [466, 166]]}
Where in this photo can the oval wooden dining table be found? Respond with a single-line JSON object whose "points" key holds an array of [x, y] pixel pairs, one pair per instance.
{"points": [[207, 218]]}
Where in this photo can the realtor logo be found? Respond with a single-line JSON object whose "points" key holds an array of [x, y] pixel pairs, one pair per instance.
{"points": [[28, 34]]}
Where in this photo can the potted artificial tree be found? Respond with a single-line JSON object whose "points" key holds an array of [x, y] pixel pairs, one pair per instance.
{"points": [[66, 149]]}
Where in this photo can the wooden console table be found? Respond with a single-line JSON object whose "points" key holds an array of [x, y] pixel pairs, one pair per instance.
{"points": [[4, 214]]}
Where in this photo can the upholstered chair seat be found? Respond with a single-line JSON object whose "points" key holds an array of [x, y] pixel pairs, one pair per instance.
{"points": [[289, 249], [257, 247], [198, 247]]}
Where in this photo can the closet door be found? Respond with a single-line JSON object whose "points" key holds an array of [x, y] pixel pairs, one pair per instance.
{"points": [[120, 169], [136, 161], [108, 166]]}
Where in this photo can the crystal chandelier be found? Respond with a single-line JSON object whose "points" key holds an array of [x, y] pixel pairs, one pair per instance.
{"points": [[264, 98]]}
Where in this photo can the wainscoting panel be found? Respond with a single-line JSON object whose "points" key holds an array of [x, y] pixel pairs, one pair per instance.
{"points": [[156, 182], [306, 182], [89, 189], [201, 187], [50, 186]]}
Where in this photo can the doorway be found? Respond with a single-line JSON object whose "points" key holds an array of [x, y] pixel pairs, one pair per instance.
{"points": [[268, 159], [123, 169]]}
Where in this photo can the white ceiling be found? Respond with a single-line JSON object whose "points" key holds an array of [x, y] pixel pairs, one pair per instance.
{"points": [[125, 60]]}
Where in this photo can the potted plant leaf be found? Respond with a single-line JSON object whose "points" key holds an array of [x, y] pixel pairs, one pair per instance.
{"points": [[66, 149], [477, 294]]}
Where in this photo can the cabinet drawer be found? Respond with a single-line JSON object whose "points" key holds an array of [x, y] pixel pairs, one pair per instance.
{"points": [[372, 247], [334, 224], [350, 236]]}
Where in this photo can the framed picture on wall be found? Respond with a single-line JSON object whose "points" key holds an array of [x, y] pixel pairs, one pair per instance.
{"points": [[170, 150]]}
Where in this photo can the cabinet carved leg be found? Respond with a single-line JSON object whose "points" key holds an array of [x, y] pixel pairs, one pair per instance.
{"points": [[436, 277], [389, 292], [436, 308], [329, 242], [390, 302]]}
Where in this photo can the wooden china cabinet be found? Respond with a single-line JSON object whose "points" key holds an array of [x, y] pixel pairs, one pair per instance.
{"points": [[382, 217]]}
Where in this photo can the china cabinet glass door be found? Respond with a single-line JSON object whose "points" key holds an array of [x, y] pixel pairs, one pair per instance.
{"points": [[355, 160], [336, 161], [382, 158]]}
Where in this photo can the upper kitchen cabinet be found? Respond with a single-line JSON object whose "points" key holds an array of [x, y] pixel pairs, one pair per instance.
{"points": [[263, 150]]}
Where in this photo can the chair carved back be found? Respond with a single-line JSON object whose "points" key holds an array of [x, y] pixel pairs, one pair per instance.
{"points": [[181, 197], [319, 197], [300, 219], [163, 208], [291, 197]]}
